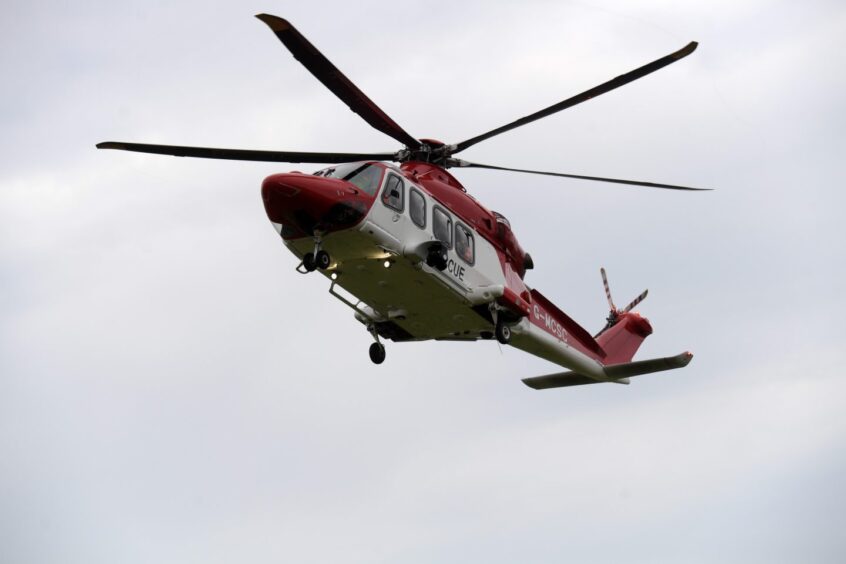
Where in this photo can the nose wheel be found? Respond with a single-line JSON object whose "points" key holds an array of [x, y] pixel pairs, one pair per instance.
{"points": [[317, 259], [322, 260], [309, 263]]}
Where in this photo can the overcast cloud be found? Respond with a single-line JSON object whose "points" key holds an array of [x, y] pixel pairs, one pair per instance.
{"points": [[172, 391]]}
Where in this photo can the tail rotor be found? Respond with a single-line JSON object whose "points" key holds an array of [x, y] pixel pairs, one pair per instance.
{"points": [[614, 313]]}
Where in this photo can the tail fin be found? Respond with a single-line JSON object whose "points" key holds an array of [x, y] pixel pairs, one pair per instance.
{"points": [[624, 331], [621, 341]]}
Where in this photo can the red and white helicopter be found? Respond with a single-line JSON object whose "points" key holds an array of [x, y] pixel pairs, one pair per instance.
{"points": [[419, 258]]}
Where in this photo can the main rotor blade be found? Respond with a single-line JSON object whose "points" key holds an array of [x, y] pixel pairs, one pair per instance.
{"points": [[584, 96], [247, 155], [466, 164], [318, 65]]}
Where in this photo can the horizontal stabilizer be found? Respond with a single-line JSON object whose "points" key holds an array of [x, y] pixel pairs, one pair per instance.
{"points": [[562, 380], [648, 366], [618, 373]]}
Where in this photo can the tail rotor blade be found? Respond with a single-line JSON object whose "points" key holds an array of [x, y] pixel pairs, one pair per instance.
{"points": [[636, 301], [607, 289]]}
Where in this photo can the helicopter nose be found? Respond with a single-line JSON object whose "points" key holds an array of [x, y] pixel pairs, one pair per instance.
{"points": [[304, 203], [292, 200]]}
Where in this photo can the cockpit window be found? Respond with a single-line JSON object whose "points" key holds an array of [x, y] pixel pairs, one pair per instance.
{"points": [[365, 176]]}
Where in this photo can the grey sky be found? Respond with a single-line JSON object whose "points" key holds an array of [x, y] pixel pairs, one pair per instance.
{"points": [[172, 391]]}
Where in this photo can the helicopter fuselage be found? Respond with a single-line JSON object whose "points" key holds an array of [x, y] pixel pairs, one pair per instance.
{"points": [[379, 232]]}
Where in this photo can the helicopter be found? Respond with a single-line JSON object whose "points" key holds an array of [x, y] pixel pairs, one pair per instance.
{"points": [[415, 256]]}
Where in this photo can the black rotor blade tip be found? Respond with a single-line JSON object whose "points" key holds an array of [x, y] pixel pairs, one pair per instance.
{"points": [[686, 50], [274, 22]]}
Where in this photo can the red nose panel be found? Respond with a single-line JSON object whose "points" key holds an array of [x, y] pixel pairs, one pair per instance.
{"points": [[304, 203]]}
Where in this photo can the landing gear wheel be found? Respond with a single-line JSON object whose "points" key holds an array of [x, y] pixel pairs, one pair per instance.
{"points": [[322, 260], [377, 353], [308, 262], [503, 333]]}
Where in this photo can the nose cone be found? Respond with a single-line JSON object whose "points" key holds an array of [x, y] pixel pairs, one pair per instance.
{"points": [[304, 203]]}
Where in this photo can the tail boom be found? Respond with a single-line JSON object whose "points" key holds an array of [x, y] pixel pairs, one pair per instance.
{"points": [[549, 333]]}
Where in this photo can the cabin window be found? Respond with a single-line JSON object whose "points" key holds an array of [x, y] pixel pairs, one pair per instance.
{"points": [[417, 208], [442, 226], [392, 196], [464, 246]]}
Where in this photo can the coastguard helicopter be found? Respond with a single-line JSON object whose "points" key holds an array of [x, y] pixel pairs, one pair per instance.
{"points": [[415, 256]]}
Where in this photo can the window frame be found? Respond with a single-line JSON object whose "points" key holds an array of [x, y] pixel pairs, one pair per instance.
{"points": [[469, 232], [385, 201], [412, 190], [435, 210]]}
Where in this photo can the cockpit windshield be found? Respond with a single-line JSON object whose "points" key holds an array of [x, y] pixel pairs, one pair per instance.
{"points": [[366, 176]]}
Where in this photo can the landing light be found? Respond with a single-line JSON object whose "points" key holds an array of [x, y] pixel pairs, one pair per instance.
{"points": [[388, 264], [334, 276]]}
